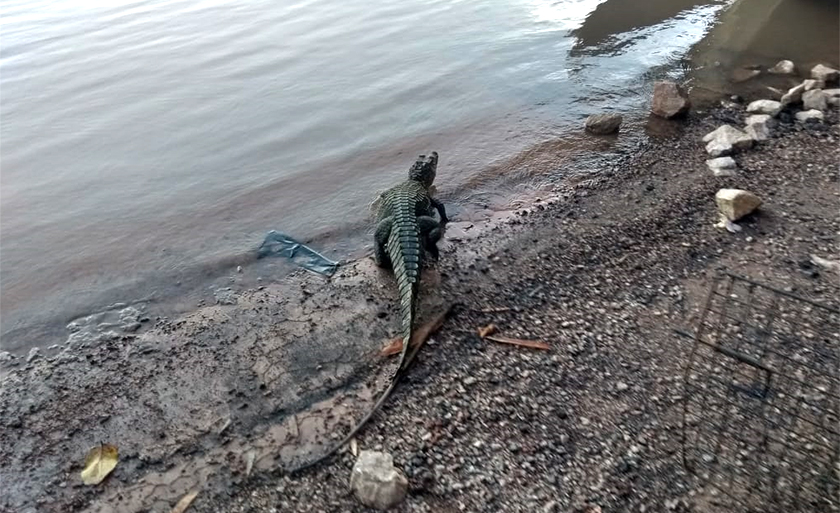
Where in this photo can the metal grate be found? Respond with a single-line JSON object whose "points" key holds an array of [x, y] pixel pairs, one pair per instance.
{"points": [[761, 418]]}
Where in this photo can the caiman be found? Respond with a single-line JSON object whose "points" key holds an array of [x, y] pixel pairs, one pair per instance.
{"points": [[405, 230]]}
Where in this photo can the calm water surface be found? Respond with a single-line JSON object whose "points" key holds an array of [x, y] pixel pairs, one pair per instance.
{"points": [[146, 143]]}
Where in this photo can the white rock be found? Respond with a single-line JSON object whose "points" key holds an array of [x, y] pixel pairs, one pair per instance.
{"points": [[33, 353], [736, 203], [726, 139], [758, 126], [6, 356], [832, 93], [806, 115], [811, 84], [723, 166], [603, 124], [376, 482], [824, 74], [814, 99], [784, 67], [794, 95], [771, 107]]}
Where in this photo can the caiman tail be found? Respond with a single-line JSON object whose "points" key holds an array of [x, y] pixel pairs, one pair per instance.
{"points": [[404, 250]]}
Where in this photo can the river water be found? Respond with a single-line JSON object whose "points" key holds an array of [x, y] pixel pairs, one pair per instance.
{"points": [[145, 146]]}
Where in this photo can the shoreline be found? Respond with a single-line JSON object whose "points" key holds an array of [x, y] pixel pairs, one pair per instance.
{"points": [[602, 272]]}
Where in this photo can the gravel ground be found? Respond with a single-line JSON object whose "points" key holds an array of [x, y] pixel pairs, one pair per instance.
{"points": [[603, 275], [603, 272]]}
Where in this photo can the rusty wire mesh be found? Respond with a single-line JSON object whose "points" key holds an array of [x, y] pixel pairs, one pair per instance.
{"points": [[761, 418]]}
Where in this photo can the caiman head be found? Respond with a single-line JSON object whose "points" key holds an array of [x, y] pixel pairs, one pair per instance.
{"points": [[424, 169]]}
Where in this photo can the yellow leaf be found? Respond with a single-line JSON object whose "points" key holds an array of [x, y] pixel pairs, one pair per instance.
{"points": [[184, 503], [99, 463]]}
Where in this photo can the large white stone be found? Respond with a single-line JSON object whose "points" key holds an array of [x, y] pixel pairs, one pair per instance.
{"points": [[736, 203], [784, 67], [824, 74], [814, 99], [376, 482], [726, 139], [771, 107], [758, 126], [804, 116], [723, 166]]}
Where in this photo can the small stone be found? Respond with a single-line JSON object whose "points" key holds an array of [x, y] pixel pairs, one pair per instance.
{"points": [[814, 99], [783, 67], [33, 354], [376, 482], [736, 203], [621, 386], [758, 126], [812, 84], [794, 94], [771, 107], [669, 100], [6, 356], [824, 74], [603, 124], [722, 166], [805, 116], [725, 139]]}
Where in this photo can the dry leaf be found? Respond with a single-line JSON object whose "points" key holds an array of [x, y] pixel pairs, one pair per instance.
{"points": [[354, 447], [533, 344], [394, 347], [184, 503], [418, 337], [487, 330], [99, 462]]}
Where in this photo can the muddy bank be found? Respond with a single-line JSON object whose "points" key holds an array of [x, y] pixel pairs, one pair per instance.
{"points": [[602, 268]]}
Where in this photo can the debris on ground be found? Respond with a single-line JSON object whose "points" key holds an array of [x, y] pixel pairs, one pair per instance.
{"points": [[100, 461], [185, 502], [282, 245]]}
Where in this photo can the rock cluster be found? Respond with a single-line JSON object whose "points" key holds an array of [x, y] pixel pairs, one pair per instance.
{"points": [[810, 95]]}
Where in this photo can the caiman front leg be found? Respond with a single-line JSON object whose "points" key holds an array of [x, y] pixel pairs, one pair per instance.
{"points": [[430, 233], [380, 239], [441, 210]]}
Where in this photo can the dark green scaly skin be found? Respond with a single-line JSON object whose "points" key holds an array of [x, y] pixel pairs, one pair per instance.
{"points": [[405, 227]]}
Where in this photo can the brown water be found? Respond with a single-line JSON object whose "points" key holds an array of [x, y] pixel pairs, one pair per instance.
{"points": [[147, 146]]}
